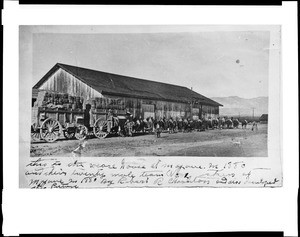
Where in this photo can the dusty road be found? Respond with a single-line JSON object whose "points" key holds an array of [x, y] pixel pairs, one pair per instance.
{"points": [[226, 142]]}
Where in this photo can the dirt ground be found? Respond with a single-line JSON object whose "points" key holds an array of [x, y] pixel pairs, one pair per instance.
{"points": [[225, 143]]}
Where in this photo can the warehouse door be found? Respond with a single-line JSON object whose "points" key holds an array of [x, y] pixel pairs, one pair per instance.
{"points": [[195, 113], [148, 110]]}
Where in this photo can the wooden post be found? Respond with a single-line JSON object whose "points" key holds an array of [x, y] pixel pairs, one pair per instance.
{"points": [[71, 117], [200, 112]]}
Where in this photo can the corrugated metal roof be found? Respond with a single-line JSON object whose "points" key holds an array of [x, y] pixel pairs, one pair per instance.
{"points": [[113, 84]]}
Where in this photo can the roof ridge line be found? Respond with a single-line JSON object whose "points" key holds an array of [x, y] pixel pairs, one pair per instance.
{"points": [[186, 92], [131, 77]]}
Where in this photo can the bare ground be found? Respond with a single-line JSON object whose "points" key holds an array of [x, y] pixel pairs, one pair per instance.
{"points": [[224, 143]]}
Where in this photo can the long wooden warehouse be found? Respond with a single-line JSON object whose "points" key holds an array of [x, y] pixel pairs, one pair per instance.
{"points": [[143, 98]]}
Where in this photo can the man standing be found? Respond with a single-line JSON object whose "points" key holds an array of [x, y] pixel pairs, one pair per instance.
{"points": [[129, 123], [109, 120], [254, 126], [159, 128]]}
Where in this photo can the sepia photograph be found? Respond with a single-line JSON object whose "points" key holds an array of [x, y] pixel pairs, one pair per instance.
{"points": [[187, 93]]}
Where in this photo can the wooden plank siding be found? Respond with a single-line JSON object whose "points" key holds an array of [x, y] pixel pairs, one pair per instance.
{"points": [[164, 109], [63, 82]]}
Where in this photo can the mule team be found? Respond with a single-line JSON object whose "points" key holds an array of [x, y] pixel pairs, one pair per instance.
{"points": [[171, 125]]}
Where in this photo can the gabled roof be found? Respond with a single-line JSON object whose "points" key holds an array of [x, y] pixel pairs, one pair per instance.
{"points": [[264, 117], [119, 85]]}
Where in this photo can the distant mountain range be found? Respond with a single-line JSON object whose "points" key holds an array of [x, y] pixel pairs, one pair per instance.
{"points": [[235, 106]]}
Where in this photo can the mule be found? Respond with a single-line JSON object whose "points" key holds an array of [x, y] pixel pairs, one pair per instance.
{"points": [[229, 123], [221, 124], [244, 123], [236, 123], [215, 123]]}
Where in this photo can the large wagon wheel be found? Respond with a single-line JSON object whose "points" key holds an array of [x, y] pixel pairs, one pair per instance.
{"points": [[100, 128], [35, 133], [50, 130], [69, 133], [81, 132]]}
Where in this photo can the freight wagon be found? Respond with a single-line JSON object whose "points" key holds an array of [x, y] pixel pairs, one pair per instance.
{"points": [[57, 114]]}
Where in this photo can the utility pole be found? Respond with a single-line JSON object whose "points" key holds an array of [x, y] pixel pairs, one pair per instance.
{"points": [[253, 113]]}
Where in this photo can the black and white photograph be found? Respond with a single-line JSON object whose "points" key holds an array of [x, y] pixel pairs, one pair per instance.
{"points": [[151, 106], [150, 119], [188, 93]]}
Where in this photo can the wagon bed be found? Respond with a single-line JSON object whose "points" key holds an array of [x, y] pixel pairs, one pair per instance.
{"points": [[49, 123]]}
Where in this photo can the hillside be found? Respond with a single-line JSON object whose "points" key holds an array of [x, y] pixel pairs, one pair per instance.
{"points": [[235, 106]]}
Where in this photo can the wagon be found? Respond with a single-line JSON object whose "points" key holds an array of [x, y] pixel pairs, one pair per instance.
{"points": [[49, 124]]}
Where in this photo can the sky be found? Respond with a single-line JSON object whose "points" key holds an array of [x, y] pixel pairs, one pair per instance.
{"points": [[213, 63]]}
